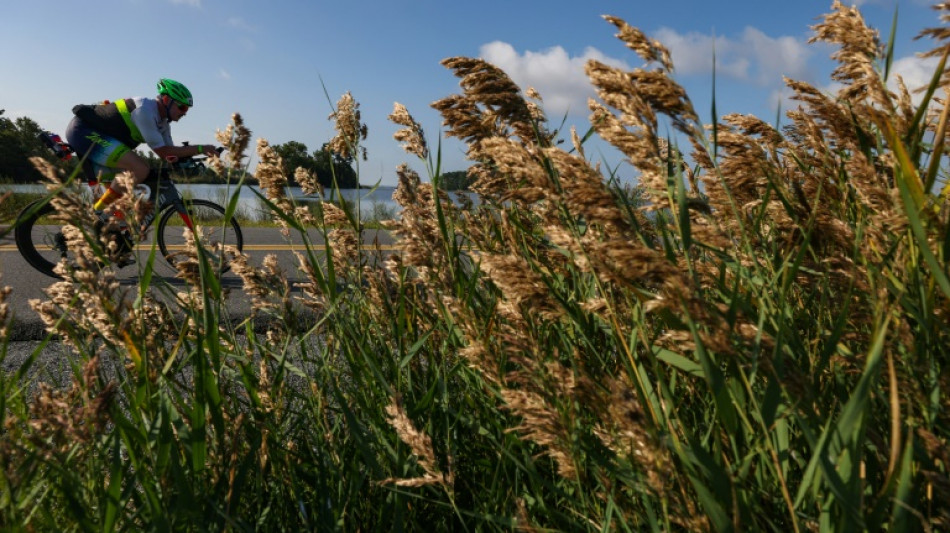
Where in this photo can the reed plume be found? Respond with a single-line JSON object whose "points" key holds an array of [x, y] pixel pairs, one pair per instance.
{"points": [[270, 176], [421, 446], [349, 129], [412, 136], [235, 139]]}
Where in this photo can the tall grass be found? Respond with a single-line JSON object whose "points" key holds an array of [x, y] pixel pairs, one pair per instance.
{"points": [[753, 341]]}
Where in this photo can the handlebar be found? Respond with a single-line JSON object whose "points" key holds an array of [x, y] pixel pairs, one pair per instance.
{"points": [[176, 161]]}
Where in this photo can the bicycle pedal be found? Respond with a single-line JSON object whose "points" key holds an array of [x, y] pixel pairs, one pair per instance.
{"points": [[126, 247]]}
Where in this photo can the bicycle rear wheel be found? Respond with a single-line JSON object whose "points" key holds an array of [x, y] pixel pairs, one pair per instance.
{"points": [[41, 241], [214, 232], [39, 238]]}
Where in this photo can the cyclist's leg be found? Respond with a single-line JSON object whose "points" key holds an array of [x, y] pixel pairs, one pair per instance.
{"points": [[99, 156], [135, 164], [108, 155], [77, 135]]}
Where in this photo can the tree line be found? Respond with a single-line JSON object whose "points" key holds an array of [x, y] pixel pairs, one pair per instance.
{"points": [[327, 165], [19, 141]]}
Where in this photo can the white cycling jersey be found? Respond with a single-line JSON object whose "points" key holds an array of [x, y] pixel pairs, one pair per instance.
{"points": [[155, 130]]}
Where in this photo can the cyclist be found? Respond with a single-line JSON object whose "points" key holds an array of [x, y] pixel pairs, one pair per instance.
{"points": [[107, 134]]}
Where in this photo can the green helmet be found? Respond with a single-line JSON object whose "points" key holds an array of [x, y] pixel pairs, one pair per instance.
{"points": [[175, 91]]}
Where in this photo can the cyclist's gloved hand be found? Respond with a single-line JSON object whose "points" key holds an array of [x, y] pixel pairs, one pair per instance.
{"points": [[211, 150], [207, 149]]}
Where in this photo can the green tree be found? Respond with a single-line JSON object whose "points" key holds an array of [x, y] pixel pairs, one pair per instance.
{"points": [[19, 140], [330, 165], [457, 180], [294, 155], [325, 164]]}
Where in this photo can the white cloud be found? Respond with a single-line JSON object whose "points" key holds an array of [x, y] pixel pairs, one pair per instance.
{"points": [[224, 74], [193, 3], [915, 71], [752, 57], [558, 77]]}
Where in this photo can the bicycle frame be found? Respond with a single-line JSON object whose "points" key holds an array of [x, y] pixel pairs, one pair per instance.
{"points": [[37, 241], [164, 195]]}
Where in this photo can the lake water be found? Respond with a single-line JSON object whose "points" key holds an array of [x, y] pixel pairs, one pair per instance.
{"points": [[376, 202]]}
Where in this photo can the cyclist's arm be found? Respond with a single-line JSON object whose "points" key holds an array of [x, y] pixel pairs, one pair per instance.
{"points": [[155, 132], [184, 151]]}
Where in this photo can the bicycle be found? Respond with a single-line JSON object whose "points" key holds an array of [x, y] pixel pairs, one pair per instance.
{"points": [[41, 242]]}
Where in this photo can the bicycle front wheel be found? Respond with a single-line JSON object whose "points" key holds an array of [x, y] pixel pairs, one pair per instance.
{"points": [[214, 231]]}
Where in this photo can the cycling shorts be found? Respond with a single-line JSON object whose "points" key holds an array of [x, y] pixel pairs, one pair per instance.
{"points": [[100, 152]]}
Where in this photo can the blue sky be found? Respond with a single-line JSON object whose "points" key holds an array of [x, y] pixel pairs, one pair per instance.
{"points": [[271, 60]]}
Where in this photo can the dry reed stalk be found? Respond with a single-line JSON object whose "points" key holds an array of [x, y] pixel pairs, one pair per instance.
{"points": [[270, 176], [649, 49], [421, 446], [54, 176], [656, 88], [633, 132], [334, 215], [151, 323], [941, 34], [70, 207], [625, 429], [938, 482], [68, 203], [420, 238], [638, 97], [858, 47], [187, 263], [518, 174], [585, 194], [350, 130], [312, 290], [345, 243], [4, 312], [65, 421], [411, 135], [519, 168], [235, 138], [541, 423], [267, 286], [92, 301], [826, 136], [523, 522], [381, 291], [308, 181], [523, 289], [492, 106]]}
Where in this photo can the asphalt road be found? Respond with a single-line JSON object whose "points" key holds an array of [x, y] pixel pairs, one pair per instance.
{"points": [[27, 283]]}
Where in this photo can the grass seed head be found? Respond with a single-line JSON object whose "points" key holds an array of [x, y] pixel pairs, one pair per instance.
{"points": [[350, 130], [421, 445], [235, 138], [412, 136], [307, 179]]}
